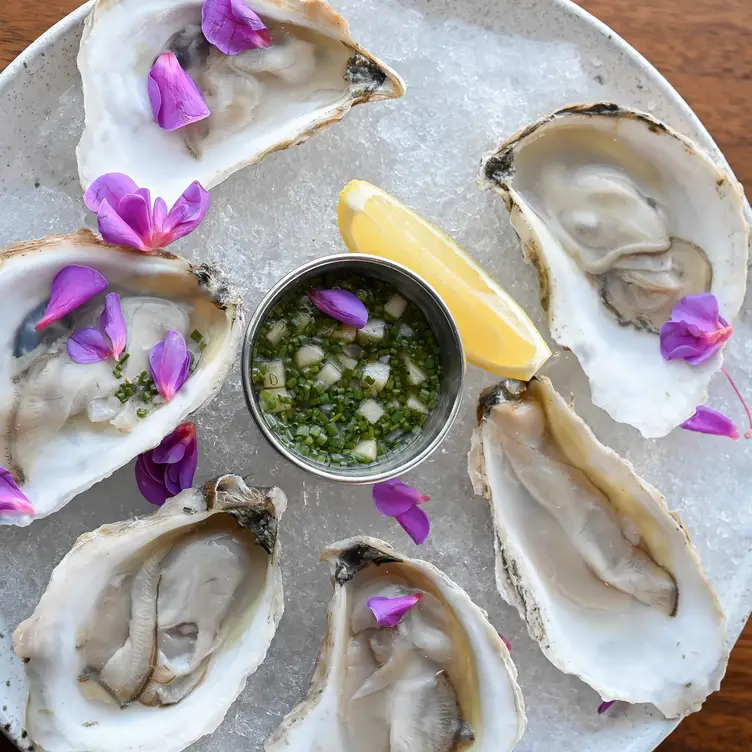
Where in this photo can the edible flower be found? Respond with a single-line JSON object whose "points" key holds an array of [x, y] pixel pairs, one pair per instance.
{"points": [[92, 345], [232, 27], [393, 498], [125, 215], [165, 471], [696, 331], [341, 305], [505, 641], [604, 706], [389, 611], [12, 498], [707, 420], [169, 362], [176, 100], [72, 286]]}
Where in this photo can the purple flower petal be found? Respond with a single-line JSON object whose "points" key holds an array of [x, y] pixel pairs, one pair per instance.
{"points": [[173, 447], [113, 324], [341, 305], [389, 611], [72, 287], [604, 706], [416, 524], [696, 332], [172, 479], [393, 497], [175, 99], [698, 310], [505, 641], [232, 27], [184, 217], [153, 491], [168, 469], [88, 346], [114, 229], [707, 420], [12, 498], [111, 188], [169, 361], [135, 210]]}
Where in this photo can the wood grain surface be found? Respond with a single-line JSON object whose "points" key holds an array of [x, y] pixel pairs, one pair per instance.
{"points": [[704, 48]]}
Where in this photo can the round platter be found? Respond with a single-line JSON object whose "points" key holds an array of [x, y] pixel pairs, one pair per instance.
{"points": [[476, 72]]}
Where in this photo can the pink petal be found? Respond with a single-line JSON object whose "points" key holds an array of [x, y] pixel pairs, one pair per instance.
{"points": [[416, 524], [152, 490], [88, 346], [185, 216], [113, 324], [72, 287], [169, 361], [114, 229], [698, 310], [232, 27], [604, 706], [135, 210], [159, 215], [678, 343], [505, 641], [175, 99], [341, 305], [12, 499], [173, 447], [389, 611], [707, 420], [111, 188], [393, 497]]}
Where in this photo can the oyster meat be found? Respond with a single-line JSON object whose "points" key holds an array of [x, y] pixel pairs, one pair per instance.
{"points": [[623, 217], [261, 100], [604, 575], [65, 425], [149, 628], [440, 680]]}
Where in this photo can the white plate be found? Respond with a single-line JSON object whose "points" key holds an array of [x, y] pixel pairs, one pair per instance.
{"points": [[476, 71]]}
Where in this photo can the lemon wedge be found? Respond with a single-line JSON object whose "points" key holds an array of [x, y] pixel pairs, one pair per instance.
{"points": [[497, 334]]}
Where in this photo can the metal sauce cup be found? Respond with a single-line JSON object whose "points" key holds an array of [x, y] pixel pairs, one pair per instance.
{"points": [[411, 287]]}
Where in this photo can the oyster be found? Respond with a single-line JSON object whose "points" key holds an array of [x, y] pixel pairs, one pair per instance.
{"points": [[62, 427], [441, 680], [604, 575], [261, 100], [623, 217], [149, 628]]}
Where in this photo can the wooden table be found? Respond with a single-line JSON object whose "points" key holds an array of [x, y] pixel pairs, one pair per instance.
{"points": [[703, 48]]}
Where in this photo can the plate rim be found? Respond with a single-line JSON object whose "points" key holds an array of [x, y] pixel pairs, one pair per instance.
{"points": [[662, 85]]}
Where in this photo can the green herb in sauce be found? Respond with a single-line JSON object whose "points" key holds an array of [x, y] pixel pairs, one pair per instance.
{"points": [[341, 396]]}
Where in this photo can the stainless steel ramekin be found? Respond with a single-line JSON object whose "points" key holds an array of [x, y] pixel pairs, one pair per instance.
{"points": [[452, 356]]}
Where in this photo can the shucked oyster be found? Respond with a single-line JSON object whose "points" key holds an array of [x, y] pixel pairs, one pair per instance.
{"points": [[149, 628], [65, 425], [604, 575], [623, 217], [261, 100], [441, 680]]}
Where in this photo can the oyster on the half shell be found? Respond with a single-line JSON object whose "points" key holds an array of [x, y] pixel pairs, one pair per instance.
{"points": [[622, 217], [440, 680], [261, 100], [149, 628], [63, 426], [604, 575]]}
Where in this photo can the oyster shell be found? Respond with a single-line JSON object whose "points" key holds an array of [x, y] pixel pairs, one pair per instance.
{"points": [[62, 429], [149, 628], [604, 575], [261, 100], [622, 217], [441, 680]]}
